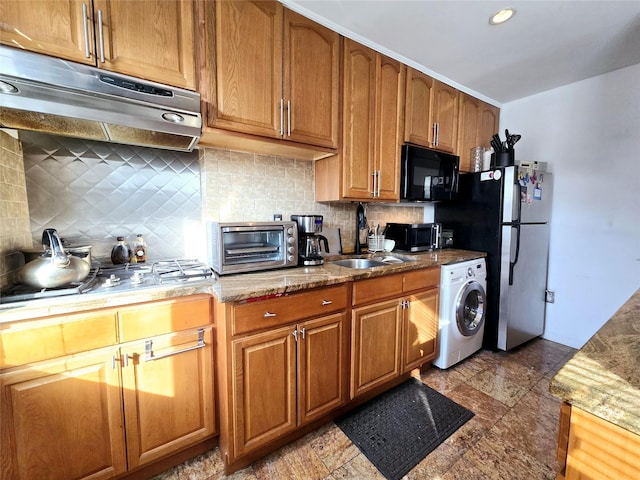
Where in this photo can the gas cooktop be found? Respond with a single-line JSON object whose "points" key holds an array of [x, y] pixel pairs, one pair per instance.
{"points": [[117, 278]]}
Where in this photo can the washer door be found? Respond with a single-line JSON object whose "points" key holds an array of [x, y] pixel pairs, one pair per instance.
{"points": [[470, 308]]}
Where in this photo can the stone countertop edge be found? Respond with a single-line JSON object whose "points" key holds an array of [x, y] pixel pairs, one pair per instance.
{"points": [[603, 377], [232, 288]]}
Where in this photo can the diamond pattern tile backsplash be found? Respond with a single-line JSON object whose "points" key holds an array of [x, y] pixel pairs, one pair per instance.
{"points": [[92, 192]]}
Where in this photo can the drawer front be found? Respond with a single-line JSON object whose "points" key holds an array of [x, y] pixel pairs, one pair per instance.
{"points": [[249, 317], [35, 340], [157, 318], [365, 291], [421, 279]]}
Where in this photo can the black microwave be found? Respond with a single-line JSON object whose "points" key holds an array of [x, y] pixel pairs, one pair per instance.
{"points": [[428, 175]]}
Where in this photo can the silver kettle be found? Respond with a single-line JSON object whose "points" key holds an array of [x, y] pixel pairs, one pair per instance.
{"points": [[54, 267]]}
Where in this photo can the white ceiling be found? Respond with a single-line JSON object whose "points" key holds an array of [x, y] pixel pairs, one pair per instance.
{"points": [[545, 45]]}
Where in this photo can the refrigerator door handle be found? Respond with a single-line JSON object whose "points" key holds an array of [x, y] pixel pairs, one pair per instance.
{"points": [[512, 264], [517, 197]]}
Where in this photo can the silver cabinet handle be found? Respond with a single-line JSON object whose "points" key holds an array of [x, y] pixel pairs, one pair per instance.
{"points": [[302, 332], [100, 36], [118, 359], [85, 26], [269, 314], [281, 117], [148, 348], [326, 302], [288, 118], [373, 191], [379, 178], [295, 334]]}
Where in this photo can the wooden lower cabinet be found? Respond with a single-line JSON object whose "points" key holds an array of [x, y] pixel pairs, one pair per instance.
{"points": [[590, 447], [168, 395], [62, 419], [107, 411], [395, 336], [285, 378], [420, 329], [375, 345]]}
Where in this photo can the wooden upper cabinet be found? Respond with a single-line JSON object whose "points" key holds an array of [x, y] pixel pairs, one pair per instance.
{"points": [[358, 122], [477, 122], [368, 167], [390, 97], [431, 112], [276, 74], [152, 40], [489, 123], [468, 125], [445, 117], [311, 81], [51, 27], [248, 67], [418, 127]]}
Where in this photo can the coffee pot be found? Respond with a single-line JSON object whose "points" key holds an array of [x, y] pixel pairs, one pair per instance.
{"points": [[310, 239]]}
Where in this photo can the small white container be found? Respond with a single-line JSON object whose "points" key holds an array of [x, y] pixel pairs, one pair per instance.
{"points": [[376, 243]]}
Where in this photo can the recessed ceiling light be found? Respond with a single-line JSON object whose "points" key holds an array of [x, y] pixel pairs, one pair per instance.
{"points": [[502, 16]]}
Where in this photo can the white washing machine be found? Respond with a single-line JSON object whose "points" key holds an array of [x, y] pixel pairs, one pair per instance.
{"points": [[462, 311]]}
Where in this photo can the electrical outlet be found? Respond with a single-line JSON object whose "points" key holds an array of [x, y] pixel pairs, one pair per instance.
{"points": [[549, 296]]}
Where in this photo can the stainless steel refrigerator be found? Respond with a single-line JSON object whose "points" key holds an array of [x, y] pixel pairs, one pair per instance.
{"points": [[506, 212]]}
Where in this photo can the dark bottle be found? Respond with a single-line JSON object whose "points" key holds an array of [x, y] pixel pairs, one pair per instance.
{"points": [[120, 253], [140, 249]]}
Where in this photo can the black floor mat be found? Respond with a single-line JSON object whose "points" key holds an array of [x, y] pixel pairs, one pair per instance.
{"points": [[397, 429]]}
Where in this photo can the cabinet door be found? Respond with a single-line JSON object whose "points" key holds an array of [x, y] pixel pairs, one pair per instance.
{"points": [[311, 81], [375, 345], [322, 366], [248, 67], [468, 126], [418, 127], [445, 115], [489, 123], [264, 388], [358, 123], [389, 126], [153, 40], [62, 419], [54, 28], [420, 329], [168, 394]]}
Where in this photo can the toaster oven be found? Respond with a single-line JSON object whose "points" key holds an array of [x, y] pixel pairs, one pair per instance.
{"points": [[251, 246]]}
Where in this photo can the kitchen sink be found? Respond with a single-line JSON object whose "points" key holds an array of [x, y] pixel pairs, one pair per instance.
{"points": [[359, 263], [364, 263]]}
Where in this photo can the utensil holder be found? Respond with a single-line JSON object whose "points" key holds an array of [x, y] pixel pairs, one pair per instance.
{"points": [[376, 243], [503, 159]]}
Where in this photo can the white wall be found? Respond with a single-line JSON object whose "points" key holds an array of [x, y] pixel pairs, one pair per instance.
{"points": [[589, 132]]}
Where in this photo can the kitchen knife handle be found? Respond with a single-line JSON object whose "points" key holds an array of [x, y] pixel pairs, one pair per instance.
{"points": [[100, 36], [85, 26]]}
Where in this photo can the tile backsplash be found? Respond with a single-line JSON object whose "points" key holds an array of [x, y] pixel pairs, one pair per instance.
{"points": [[239, 186], [92, 192], [15, 232]]}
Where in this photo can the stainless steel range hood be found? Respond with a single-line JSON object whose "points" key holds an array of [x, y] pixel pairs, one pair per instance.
{"points": [[56, 96]]}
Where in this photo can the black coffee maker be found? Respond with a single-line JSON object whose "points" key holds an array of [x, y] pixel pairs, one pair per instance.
{"points": [[309, 238]]}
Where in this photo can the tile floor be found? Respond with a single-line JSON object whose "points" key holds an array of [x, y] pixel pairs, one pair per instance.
{"points": [[512, 435]]}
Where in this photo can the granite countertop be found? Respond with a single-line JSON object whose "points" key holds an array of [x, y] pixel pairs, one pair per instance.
{"points": [[232, 288], [603, 377]]}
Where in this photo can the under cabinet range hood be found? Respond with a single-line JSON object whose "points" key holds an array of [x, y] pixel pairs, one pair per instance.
{"points": [[56, 96]]}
